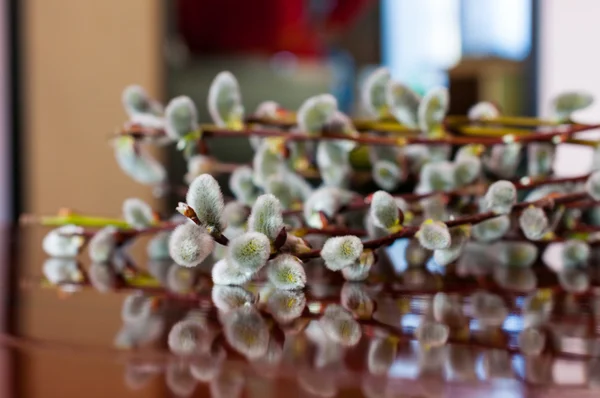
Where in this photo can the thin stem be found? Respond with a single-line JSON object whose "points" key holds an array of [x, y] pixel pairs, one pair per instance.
{"points": [[407, 232], [507, 136]]}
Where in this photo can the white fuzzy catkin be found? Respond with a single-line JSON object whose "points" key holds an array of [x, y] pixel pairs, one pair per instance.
{"points": [[489, 309], [373, 92], [103, 245], [434, 235], [575, 252], [433, 109], [266, 217], [501, 197], [279, 187], [339, 325], [403, 103], [225, 101], [198, 165], [190, 244], [266, 164], [235, 214], [483, 111], [492, 229], [515, 254], [327, 200], [436, 176], [137, 163], [534, 223], [315, 112], [223, 273], [466, 170], [249, 252], [592, 185], [242, 185], [564, 104], [64, 241], [532, 341], [340, 124], [247, 332], [359, 271], [229, 298], [536, 310], [205, 197], [61, 270], [341, 251], [458, 237], [137, 213], [180, 117], [286, 272], [387, 174], [286, 305], [186, 336], [384, 210], [540, 157], [432, 334], [158, 246], [136, 101]]}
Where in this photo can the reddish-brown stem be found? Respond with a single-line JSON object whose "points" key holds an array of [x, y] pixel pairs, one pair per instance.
{"points": [[557, 136], [408, 232]]}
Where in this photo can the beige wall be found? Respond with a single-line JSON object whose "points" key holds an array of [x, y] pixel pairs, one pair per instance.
{"points": [[79, 54], [78, 57]]}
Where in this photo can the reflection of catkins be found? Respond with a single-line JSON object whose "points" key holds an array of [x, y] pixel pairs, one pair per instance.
{"points": [[136, 307], [339, 325], [317, 382], [532, 341], [229, 383], [102, 277], [432, 334], [355, 298], [247, 332], [382, 353], [205, 367], [496, 364], [179, 380], [286, 305], [489, 309]]}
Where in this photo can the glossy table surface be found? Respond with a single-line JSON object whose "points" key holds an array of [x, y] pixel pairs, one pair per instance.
{"points": [[83, 338]]}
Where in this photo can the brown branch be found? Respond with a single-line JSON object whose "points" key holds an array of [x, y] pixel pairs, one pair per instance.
{"points": [[407, 232]]}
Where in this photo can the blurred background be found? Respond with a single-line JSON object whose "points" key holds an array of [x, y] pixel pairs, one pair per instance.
{"points": [[65, 62]]}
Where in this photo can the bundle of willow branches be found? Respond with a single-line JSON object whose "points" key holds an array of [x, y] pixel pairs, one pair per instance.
{"points": [[466, 191]]}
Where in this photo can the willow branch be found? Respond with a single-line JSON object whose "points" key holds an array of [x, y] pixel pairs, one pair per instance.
{"points": [[408, 232]]}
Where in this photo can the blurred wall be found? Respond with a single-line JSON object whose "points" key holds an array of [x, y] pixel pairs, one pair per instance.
{"points": [[78, 56], [568, 61]]}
